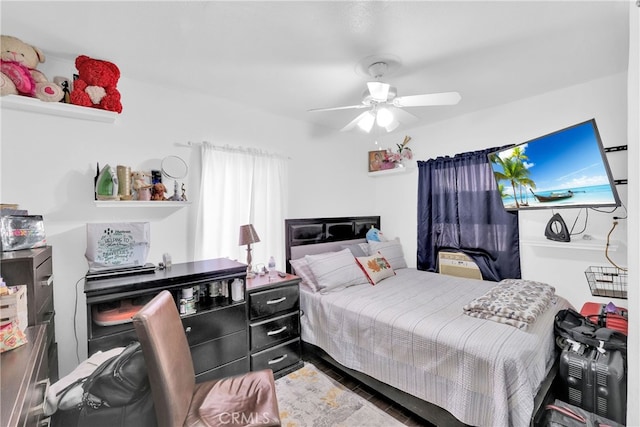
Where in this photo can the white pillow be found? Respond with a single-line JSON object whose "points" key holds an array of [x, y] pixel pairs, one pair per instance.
{"points": [[334, 269], [302, 270], [391, 250]]}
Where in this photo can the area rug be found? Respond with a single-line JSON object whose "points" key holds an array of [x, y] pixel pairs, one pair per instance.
{"points": [[309, 398]]}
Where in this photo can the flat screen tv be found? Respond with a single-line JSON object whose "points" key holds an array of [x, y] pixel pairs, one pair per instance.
{"points": [[564, 169]]}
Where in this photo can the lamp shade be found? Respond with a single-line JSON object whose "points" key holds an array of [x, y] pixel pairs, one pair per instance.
{"points": [[248, 235]]}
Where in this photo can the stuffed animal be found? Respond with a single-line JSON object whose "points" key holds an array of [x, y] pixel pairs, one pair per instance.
{"points": [[18, 74], [140, 184], [375, 235], [157, 191], [96, 84]]}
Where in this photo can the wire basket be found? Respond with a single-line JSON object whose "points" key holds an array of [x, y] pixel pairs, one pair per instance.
{"points": [[607, 282]]}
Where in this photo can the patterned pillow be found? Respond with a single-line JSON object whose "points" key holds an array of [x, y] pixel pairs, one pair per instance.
{"points": [[391, 250], [334, 269], [302, 270], [376, 267]]}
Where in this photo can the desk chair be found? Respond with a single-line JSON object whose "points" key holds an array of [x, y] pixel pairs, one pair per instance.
{"points": [[244, 400]]}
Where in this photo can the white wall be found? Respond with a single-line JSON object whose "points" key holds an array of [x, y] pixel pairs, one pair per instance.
{"points": [[633, 379]]}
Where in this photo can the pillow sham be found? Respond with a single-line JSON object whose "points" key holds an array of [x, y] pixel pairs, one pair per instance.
{"points": [[334, 269], [358, 249], [376, 267], [302, 270], [391, 250]]}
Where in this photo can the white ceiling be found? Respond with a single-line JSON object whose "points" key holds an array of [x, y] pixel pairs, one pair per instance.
{"points": [[288, 57]]}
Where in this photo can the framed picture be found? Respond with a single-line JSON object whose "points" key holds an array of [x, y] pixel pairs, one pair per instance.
{"points": [[375, 160]]}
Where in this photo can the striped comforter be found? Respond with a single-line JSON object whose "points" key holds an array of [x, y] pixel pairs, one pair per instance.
{"points": [[409, 331]]}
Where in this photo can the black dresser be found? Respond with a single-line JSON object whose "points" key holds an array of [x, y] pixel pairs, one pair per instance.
{"points": [[33, 268], [215, 323]]}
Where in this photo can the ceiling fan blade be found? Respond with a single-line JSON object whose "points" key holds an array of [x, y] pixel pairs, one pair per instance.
{"points": [[353, 123], [444, 98], [404, 116], [346, 107]]}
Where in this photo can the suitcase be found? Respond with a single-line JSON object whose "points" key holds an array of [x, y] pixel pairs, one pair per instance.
{"points": [[594, 381], [562, 414], [617, 319]]}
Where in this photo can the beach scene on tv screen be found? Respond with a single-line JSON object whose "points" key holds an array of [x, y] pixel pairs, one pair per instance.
{"points": [[562, 169]]}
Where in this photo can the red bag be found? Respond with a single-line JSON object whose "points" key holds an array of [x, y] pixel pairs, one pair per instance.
{"points": [[607, 316]]}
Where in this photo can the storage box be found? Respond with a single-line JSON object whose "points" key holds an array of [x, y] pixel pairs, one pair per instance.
{"points": [[21, 232], [13, 307]]}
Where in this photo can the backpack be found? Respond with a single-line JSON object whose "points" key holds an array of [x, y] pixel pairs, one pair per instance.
{"points": [[119, 380], [571, 326], [116, 393]]}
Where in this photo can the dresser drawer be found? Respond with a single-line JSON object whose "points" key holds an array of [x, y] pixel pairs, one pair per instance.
{"points": [[237, 367], [278, 357], [266, 303], [108, 342], [220, 351], [203, 327], [274, 330]]}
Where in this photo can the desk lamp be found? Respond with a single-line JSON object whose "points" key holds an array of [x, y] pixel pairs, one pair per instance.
{"points": [[248, 236]]}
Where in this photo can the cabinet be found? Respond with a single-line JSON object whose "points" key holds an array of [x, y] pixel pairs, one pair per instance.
{"points": [[215, 325], [34, 268], [24, 380], [274, 323]]}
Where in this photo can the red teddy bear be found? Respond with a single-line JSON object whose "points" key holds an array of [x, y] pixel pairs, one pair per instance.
{"points": [[96, 84]]}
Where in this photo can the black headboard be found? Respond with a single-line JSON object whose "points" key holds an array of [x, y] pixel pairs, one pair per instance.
{"points": [[314, 231]]}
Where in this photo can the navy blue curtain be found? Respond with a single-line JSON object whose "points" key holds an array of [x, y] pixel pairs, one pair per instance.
{"points": [[459, 208]]}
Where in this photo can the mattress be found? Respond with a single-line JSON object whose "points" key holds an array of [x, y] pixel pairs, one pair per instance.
{"points": [[410, 332]]}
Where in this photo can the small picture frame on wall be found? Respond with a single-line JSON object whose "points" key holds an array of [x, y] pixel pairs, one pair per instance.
{"points": [[376, 159]]}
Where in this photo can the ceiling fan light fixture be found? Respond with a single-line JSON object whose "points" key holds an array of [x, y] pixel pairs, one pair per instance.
{"points": [[366, 122], [384, 117], [379, 91], [392, 126]]}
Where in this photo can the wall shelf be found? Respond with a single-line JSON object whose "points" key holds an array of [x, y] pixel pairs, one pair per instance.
{"points": [[140, 203], [34, 105], [389, 172], [575, 244]]}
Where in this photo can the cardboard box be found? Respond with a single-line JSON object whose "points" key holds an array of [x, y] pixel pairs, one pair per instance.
{"points": [[13, 308]]}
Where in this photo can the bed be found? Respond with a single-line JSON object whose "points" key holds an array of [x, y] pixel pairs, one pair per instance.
{"points": [[408, 337]]}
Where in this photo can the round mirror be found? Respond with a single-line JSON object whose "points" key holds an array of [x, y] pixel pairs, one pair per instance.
{"points": [[174, 167]]}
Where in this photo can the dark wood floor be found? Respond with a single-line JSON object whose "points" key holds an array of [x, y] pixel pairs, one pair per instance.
{"points": [[397, 412]]}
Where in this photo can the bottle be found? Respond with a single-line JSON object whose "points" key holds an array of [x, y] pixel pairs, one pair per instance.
{"points": [[272, 268]]}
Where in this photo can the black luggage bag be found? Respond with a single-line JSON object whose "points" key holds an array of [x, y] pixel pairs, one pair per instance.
{"points": [[594, 380]]}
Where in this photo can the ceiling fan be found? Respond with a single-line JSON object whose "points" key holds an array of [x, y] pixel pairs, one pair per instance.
{"points": [[384, 107]]}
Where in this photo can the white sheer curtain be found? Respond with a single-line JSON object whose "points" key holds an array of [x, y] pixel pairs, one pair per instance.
{"points": [[241, 186]]}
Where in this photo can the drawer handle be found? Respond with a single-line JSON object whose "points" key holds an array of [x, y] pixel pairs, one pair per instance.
{"points": [[187, 330], [276, 301], [45, 423], [39, 409], [277, 360], [277, 331], [47, 282]]}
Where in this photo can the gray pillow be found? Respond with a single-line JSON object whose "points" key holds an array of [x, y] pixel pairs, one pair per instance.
{"points": [[357, 249]]}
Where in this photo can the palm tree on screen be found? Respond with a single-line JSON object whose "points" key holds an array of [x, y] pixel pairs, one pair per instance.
{"points": [[514, 171]]}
